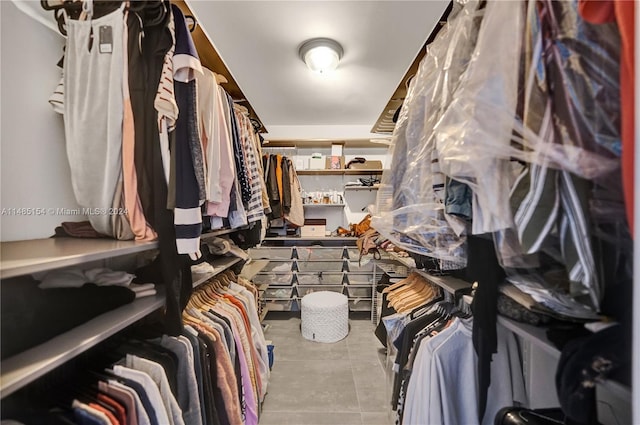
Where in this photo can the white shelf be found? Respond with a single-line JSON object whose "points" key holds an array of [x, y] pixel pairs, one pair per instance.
{"points": [[32, 256], [448, 283], [407, 261], [533, 334], [253, 268], [24, 368], [265, 310], [324, 205], [217, 232], [219, 265]]}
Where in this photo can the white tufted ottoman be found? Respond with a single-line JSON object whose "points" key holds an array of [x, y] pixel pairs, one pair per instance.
{"points": [[325, 316]]}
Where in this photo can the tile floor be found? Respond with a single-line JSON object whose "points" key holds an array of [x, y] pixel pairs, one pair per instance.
{"points": [[316, 383]]}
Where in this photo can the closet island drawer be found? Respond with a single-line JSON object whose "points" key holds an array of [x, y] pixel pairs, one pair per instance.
{"points": [[353, 253], [304, 290], [320, 278], [278, 293], [281, 305], [271, 253], [278, 266], [365, 265], [273, 278], [359, 291], [320, 266], [360, 304], [319, 253], [359, 279]]}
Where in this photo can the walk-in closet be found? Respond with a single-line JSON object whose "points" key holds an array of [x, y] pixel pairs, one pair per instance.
{"points": [[318, 212]]}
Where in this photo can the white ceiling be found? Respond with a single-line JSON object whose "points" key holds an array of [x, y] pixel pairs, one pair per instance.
{"points": [[259, 40]]}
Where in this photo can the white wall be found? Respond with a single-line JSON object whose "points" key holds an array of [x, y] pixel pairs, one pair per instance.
{"points": [[34, 169]]}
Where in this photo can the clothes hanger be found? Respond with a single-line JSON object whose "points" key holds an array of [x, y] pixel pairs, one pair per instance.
{"points": [[220, 79], [399, 284], [415, 296]]}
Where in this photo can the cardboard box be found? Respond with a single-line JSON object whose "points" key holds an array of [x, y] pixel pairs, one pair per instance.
{"points": [[367, 165], [313, 228]]}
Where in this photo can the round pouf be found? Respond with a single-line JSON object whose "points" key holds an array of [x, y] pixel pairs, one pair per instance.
{"points": [[325, 316]]}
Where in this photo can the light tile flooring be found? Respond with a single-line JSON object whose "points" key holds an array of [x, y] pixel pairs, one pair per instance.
{"points": [[316, 383]]}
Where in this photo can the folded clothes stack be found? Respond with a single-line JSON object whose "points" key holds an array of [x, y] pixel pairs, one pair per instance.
{"points": [[76, 278]]}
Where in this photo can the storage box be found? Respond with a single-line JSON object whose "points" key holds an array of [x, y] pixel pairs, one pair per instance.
{"points": [[313, 228], [317, 163]]}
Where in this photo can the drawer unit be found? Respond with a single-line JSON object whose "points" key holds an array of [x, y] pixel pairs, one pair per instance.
{"points": [[273, 278], [304, 290], [359, 278], [279, 266], [278, 293], [320, 278], [319, 253], [271, 253], [320, 266], [359, 291]]}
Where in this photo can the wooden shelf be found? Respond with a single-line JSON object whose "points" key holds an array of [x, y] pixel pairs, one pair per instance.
{"points": [[323, 205], [210, 59], [24, 368], [374, 187], [298, 238], [219, 265], [382, 142], [37, 255], [533, 334], [338, 172]]}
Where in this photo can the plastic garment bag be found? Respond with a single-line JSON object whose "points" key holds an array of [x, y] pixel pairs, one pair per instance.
{"points": [[411, 203], [478, 124], [574, 105]]}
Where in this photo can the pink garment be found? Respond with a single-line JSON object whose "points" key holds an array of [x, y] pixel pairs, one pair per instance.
{"points": [[222, 139], [137, 220]]}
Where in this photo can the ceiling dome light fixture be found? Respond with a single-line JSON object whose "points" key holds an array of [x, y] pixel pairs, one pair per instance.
{"points": [[321, 54]]}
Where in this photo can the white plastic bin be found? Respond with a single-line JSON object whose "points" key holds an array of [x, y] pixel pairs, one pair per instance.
{"points": [[304, 290], [320, 278], [320, 266]]}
